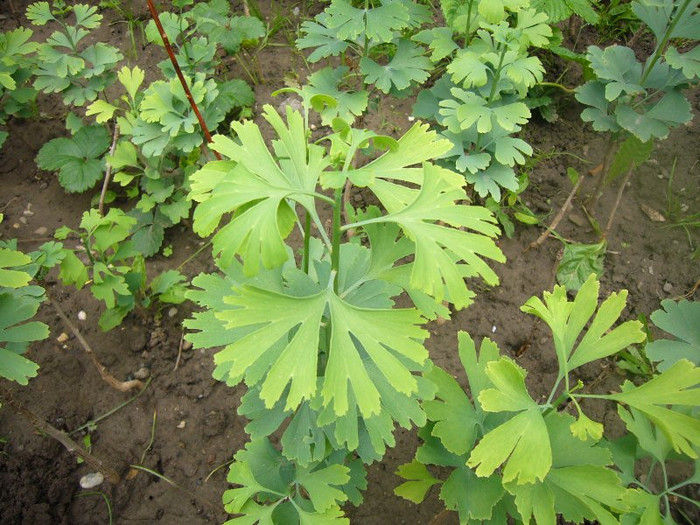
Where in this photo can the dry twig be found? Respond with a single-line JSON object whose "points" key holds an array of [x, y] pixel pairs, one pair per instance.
{"points": [[71, 446], [122, 386]]}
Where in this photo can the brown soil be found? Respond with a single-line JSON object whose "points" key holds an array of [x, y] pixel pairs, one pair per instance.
{"points": [[184, 425]]}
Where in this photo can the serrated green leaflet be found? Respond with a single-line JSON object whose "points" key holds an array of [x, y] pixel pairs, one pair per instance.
{"points": [[678, 385], [418, 484], [13, 278], [406, 67], [455, 419], [437, 247], [567, 320], [354, 333], [17, 306], [258, 186], [522, 443], [78, 159], [682, 320]]}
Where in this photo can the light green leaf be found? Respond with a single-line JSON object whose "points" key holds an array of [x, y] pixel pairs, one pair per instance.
{"points": [[522, 443], [454, 416], [258, 186], [491, 180], [649, 437], [418, 484], [468, 68], [382, 335], [678, 385], [17, 306], [103, 111], [439, 40], [350, 104], [682, 320], [567, 320], [131, 79], [438, 247], [319, 484], [514, 441], [39, 13], [13, 278]]}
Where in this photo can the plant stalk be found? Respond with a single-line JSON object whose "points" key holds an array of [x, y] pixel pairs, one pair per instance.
{"points": [[108, 173], [620, 191], [335, 251], [180, 76]]}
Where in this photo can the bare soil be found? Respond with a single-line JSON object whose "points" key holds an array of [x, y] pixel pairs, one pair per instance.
{"points": [[184, 425]]}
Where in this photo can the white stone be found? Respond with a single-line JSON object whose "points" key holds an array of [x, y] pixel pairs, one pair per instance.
{"points": [[92, 480]]}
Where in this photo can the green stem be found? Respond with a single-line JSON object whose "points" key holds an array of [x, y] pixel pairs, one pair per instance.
{"points": [[665, 495], [335, 251], [469, 23], [662, 45], [686, 498], [307, 242], [556, 85], [494, 86]]}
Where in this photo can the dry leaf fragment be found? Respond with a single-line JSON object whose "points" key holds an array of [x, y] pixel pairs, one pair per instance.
{"points": [[653, 215]]}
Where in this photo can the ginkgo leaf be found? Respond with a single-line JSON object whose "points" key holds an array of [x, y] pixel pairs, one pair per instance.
{"points": [[575, 464], [355, 332], [17, 307], [13, 278], [492, 179], [522, 442], [324, 39], [688, 62], [672, 110], [407, 66], [468, 68], [439, 40], [567, 320], [455, 420], [377, 23], [319, 484], [592, 94], [619, 68], [418, 484], [350, 104], [676, 386], [258, 186], [682, 320], [439, 247]]}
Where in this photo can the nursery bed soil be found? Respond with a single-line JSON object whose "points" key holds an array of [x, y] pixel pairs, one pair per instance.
{"points": [[184, 425]]}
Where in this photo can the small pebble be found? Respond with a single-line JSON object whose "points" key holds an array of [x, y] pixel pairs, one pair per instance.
{"points": [[411, 118], [41, 230], [142, 373], [313, 127], [172, 312], [82, 315], [92, 480], [182, 424], [62, 338], [23, 220], [578, 220], [16, 226], [668, 287], [187, 345], [493, 329]]}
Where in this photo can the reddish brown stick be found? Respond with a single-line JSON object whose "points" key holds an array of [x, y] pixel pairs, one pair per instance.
{"points": [[178, 71]]}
